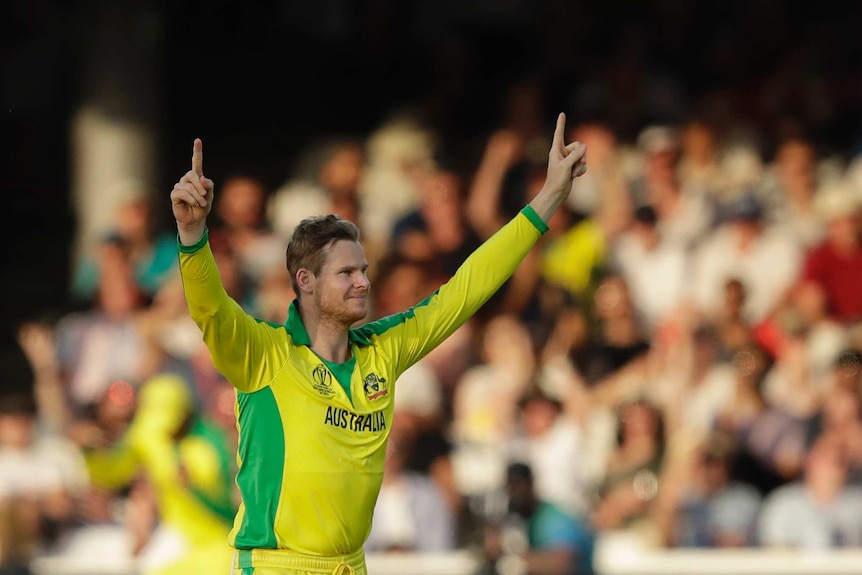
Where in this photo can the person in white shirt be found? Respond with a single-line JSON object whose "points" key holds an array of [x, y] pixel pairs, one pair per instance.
{"points": [[819, 512], [655, 270], [765, 261]]}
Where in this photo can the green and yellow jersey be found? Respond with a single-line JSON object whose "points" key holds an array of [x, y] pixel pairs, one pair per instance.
{"points": [[190, 475], [312, 435]]}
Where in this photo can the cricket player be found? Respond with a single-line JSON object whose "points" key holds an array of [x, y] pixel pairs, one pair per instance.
{"points": [[188, 464], [315, 396]]}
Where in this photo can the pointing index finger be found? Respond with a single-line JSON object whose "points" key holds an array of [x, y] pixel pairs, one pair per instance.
{"points": [[559, 134], [198, 157]]}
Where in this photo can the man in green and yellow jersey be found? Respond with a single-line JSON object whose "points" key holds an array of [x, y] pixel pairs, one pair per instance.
{"points": [[315, 396], [189, 466]]}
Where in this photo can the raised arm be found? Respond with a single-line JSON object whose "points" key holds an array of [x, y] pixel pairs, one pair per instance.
{"points": [[483, 201], [410, 335], [248, 353]]}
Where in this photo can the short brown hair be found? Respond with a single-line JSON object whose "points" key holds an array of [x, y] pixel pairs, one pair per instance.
{"points": [[311, 238]]}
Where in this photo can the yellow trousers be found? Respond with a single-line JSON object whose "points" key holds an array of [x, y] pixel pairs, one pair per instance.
{"points": [[286, 562]]}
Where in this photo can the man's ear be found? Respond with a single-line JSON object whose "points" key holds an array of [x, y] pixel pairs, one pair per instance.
{"points": [[305, 280]]}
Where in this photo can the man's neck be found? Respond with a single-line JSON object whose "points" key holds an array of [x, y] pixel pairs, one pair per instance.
{"points": [[328, 337]]}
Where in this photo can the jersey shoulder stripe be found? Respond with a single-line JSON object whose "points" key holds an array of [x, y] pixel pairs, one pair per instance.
{"points": [[270, 323], [365, 332]]}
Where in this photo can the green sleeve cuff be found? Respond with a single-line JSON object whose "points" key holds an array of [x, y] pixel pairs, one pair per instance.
{"points": [[535, 219], [184, 249]]}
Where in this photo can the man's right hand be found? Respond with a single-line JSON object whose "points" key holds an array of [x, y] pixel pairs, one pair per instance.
{"points": [[565, 163], [192, 199]]}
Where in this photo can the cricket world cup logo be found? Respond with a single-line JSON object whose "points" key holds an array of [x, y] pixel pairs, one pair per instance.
{"points": [[322, 381]]}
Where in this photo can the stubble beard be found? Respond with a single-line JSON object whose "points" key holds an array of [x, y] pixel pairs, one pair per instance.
{"points": [[345, 314]]}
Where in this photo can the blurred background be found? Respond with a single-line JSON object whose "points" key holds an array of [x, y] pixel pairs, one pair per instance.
{"points": [[669, 383]]}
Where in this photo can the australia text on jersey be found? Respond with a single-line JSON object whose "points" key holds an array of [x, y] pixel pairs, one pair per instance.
{"points": [[338, 417]]}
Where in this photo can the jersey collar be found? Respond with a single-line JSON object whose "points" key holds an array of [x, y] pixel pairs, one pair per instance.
{"points": [[299, 334]]}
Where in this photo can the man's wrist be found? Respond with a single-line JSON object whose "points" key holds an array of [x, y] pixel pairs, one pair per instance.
{"points": [[189, 236], [190, 241], [546, 202], [535, 218]]}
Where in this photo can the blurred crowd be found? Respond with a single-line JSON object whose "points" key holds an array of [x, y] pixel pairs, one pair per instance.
{"points": [[678, 362]]}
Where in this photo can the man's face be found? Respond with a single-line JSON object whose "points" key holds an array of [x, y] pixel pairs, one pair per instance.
{"points": [[341, 287], [440, 199], [16, 431], [241, 202], [826, 463], [342, 174]]}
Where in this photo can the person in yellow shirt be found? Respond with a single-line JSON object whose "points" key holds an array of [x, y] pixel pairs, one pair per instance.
{"points": [[186, 461], [315, 396]]}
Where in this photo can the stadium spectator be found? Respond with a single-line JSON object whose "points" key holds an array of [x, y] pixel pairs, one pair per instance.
{"points": [[716, 511], [791, 190], [105, 344], [39, 480], [819, 512], [437, 234], [695, 384], [412, 513], [840, 418], [684, 214], [150, 254], [770, 442], [700, 168], [399, 154], [764, 260], [485, 407], [327, 180], [631, 479], [602, 191], [536, 537], [833, 266], [654, 269], [242, 229], [617, 341], [550, 441]]}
